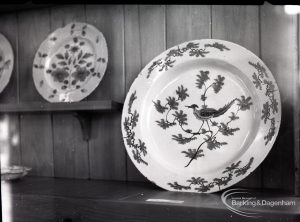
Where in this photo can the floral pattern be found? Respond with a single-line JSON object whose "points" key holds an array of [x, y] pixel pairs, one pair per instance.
{"points": [[139, 150], [201, 185], [73, 64], [261, 82], [208, 131], [192, 48]]}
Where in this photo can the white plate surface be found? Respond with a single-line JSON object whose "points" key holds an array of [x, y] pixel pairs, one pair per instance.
{"points": [[70, 63], [201, 116]]}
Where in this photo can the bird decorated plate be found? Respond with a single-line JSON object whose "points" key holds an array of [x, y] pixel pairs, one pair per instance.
{"points": [[70, 63], [6, 62], [201, 116]]}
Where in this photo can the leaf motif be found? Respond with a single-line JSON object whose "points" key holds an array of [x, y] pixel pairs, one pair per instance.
{"points": [[182, 140], [202, 78], [192, 153], [62, 63], [182, 93], [218, 84], [244, 103], [226, 130], [214, 144], [181, 117], [59, 56], [177, 186], [233, 116], [79, 55], [159, 108], [164, 124], [87, 55], [265, 112], [88, 64], [257, 81], [81, 62], [66, 55], [173, 104]]}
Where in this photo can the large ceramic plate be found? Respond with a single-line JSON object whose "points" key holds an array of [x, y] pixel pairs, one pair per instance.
{"points": [[201, 116], [70, 63], [6, 62]]}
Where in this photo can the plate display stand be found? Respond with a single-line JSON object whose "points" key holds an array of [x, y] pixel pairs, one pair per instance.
{"points": [[83, 110]]}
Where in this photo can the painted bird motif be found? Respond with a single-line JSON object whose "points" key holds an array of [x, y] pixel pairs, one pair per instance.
{"points": [[205, 114]]}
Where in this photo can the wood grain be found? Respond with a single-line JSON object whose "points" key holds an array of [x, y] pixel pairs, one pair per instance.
{"points": [[297, 123], [10, 95], [48, 199], [36, 130], [279, 52], [70, 150], [145, 39], [107, 156], [239, 24], [187, 22]]}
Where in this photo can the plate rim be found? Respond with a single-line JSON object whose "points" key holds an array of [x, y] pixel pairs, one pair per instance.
{"points": [[101, 68], [148, 79], [10, 54]]}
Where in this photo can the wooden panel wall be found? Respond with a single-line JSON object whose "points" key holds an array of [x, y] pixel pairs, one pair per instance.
{"points": [[135, 34]]}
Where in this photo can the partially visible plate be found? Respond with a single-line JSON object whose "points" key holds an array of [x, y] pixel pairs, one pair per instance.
{"points": [[14, 172], [201, 116], [6, 61], [70, 63]]}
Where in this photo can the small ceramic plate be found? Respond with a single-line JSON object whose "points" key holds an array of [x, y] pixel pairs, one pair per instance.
{"points": [[70, 63], [6, 62], [14, 172], [201, 116]]}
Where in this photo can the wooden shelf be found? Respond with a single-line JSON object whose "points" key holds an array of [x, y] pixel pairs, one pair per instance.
{"points": [[50, 199], [87, 106], [83, 110]]}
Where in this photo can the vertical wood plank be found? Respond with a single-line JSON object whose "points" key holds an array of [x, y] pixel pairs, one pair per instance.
{"points": [[279, 52], [107, 156], [239, 24], [297, 121], [133, 65], [187, 22], [8, 27], [70, 150], [144, 39], [36, 130]]}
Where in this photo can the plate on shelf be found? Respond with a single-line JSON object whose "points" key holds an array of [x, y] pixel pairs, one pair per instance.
{"points": [[201, 116], [14, 172], [6, 61], [70, 63]]}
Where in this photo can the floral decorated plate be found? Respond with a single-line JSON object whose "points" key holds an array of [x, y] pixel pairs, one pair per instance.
{"points": [[201, 116], [6, 62], [70, 63]]}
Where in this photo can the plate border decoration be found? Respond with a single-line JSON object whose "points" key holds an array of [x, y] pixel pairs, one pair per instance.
{"points": [[7, 69], [85, 64], [268, 104]]}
